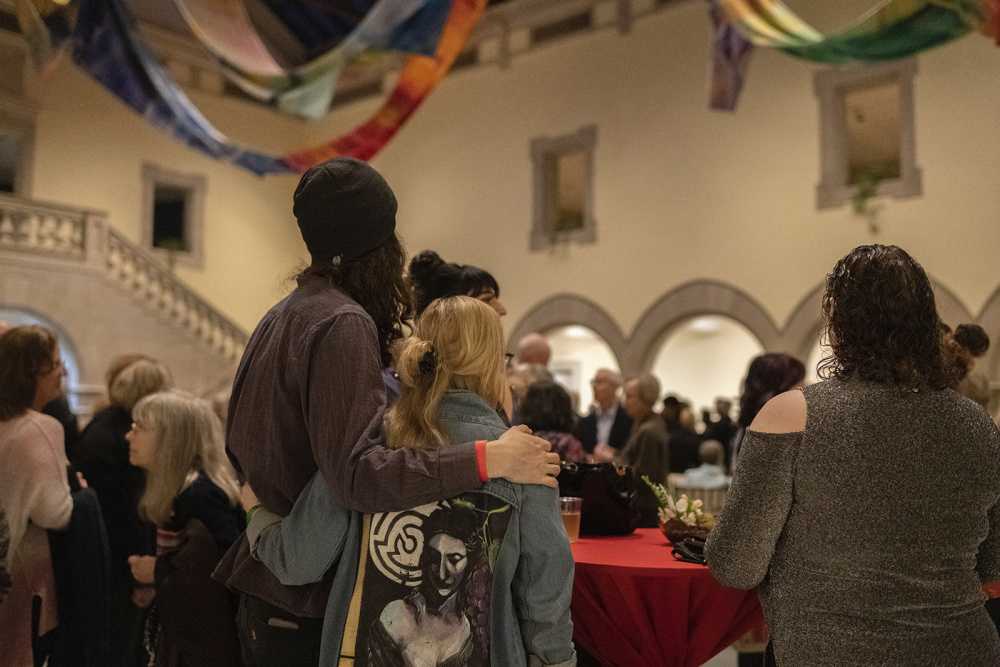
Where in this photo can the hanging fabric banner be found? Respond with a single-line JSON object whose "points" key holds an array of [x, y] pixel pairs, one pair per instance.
{"points": [[225, 28], [109, 47], [730, 56], [419, 77], [893, 29]]}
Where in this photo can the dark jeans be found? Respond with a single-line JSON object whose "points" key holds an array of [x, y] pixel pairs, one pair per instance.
{"points": [[271, 637], [993, 607]]}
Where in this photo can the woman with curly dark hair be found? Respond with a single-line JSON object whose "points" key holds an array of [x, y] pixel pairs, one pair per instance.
{"points": [[866, 507]]}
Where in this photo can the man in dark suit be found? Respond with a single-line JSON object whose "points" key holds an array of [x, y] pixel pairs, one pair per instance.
{"points": [[606, 428]]}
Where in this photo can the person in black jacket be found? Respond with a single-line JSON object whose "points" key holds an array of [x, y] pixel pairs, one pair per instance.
{"points": [[102, 456], [606, 428]]}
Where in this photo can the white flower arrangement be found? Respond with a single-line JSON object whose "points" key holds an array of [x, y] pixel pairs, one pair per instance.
{"points": [[683, 509]]}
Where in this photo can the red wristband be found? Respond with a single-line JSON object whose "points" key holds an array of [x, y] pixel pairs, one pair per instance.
{"points": [[481, 460]]}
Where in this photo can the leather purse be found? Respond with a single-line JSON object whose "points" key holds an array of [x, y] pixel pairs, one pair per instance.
{"points": [[610, 505]]}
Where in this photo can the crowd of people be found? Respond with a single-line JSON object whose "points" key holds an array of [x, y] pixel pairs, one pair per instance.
{"points": [[383, 487]]}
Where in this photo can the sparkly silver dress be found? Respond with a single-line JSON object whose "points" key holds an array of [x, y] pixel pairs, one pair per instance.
{"points": [[872, 531]]}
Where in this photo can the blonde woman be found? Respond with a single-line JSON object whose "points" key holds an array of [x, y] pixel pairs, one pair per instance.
{"points": [[193, 498], [102, 456], [483, 578]]}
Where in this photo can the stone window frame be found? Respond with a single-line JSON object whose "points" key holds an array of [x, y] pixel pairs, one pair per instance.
{"points": [[194, 214], [18, 109], [542, 150], [21, 126], [830, 85]]}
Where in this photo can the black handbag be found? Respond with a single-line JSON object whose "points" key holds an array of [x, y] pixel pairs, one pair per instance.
{"points": [[610, 505]]}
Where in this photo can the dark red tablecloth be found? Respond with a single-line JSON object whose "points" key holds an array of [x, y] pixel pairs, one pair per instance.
{"points": [[634, 605]]}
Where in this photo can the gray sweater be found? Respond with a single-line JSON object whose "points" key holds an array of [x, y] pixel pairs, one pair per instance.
{"points": [[872, 531]]}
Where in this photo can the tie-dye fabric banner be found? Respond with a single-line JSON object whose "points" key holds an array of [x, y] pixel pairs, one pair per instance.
{"points": [[225, 28], [107, 45], [894, 29]]}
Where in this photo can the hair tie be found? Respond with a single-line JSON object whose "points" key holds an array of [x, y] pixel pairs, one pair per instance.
{"points": [[428, 363]]}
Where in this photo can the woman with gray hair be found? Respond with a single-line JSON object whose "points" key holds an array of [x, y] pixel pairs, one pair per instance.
{"points": [[102, 457]]}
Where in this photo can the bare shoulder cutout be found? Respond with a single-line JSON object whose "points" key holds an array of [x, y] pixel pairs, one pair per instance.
{"points": [[785, 413]]}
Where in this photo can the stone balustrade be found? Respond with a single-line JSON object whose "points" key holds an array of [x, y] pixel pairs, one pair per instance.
{"points": [[79, 235], [43, 229]]}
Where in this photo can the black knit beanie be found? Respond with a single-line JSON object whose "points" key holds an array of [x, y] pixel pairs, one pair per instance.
{"points": [[344, 209]]}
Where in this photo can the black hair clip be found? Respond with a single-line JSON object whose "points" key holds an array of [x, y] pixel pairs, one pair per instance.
{"points": [[428, 363]]}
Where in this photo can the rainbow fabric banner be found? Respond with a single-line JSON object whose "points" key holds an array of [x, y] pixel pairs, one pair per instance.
{"points": [[106, 43], [893, 29]]}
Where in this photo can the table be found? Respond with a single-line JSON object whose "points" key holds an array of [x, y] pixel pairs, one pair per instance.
{"points": [[635, 606]]}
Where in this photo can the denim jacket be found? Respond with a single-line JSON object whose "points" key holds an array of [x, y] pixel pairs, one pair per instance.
{"points": [[532, 572]]}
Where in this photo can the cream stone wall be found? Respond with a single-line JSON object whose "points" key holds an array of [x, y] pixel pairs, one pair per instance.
{"points": [[684, 193], [89, 152]]}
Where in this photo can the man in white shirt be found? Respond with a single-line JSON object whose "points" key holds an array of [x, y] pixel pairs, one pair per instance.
{"points": [[605, 430]]}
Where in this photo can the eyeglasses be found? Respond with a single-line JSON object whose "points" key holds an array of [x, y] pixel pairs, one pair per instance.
{"points": [[507, 358], [56, 365]]}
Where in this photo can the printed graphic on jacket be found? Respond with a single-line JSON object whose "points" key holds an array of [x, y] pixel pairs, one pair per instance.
{"points": [[427, 584]]}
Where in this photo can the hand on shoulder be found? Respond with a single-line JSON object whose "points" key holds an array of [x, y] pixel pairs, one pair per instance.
{"points": [[785, 413]]}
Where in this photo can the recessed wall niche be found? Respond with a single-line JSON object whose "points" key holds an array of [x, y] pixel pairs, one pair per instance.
{"points": [[564, 189], [173, 213], [867, 132]]}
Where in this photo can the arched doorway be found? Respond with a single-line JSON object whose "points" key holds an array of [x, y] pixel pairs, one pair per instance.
{"points": [[577, 353], [18, 317], [817, 353], [705, 357]]}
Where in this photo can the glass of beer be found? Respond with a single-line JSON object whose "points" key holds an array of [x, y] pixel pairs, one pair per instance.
{"points": [[571, 516]]}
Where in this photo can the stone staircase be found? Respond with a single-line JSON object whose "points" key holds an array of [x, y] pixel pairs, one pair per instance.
{"points": [[104, 296]]}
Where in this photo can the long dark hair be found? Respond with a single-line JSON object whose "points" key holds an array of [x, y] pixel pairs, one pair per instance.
{"points": [[768, 375], [433, 278], [377, 282], [546, 406], [25, 353], [883, 321]]}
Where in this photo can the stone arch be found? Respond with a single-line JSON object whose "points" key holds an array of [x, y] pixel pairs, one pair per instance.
{"points": [[74, 371], [698, 297], [989, 319], [806, 321], [803, 326], [566, 309], [952, 310]]}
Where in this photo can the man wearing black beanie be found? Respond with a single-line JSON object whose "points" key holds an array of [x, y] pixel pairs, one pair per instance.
{"points": [[308, 396]]}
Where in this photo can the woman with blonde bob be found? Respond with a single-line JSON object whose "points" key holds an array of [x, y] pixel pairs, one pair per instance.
{"points": [[178, 439], [483, 578]]}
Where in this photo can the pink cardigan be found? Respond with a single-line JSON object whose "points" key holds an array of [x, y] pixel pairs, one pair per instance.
{"points": [[34, 493]]}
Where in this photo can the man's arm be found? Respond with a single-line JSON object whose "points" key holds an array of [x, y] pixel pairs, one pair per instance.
{"points": [[345, 402]]}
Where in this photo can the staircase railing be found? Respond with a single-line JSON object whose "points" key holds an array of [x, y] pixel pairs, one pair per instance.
{"points": [[79, 235]]}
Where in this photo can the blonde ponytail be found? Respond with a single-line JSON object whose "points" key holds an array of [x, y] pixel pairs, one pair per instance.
{"points": [[457, 344]]}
